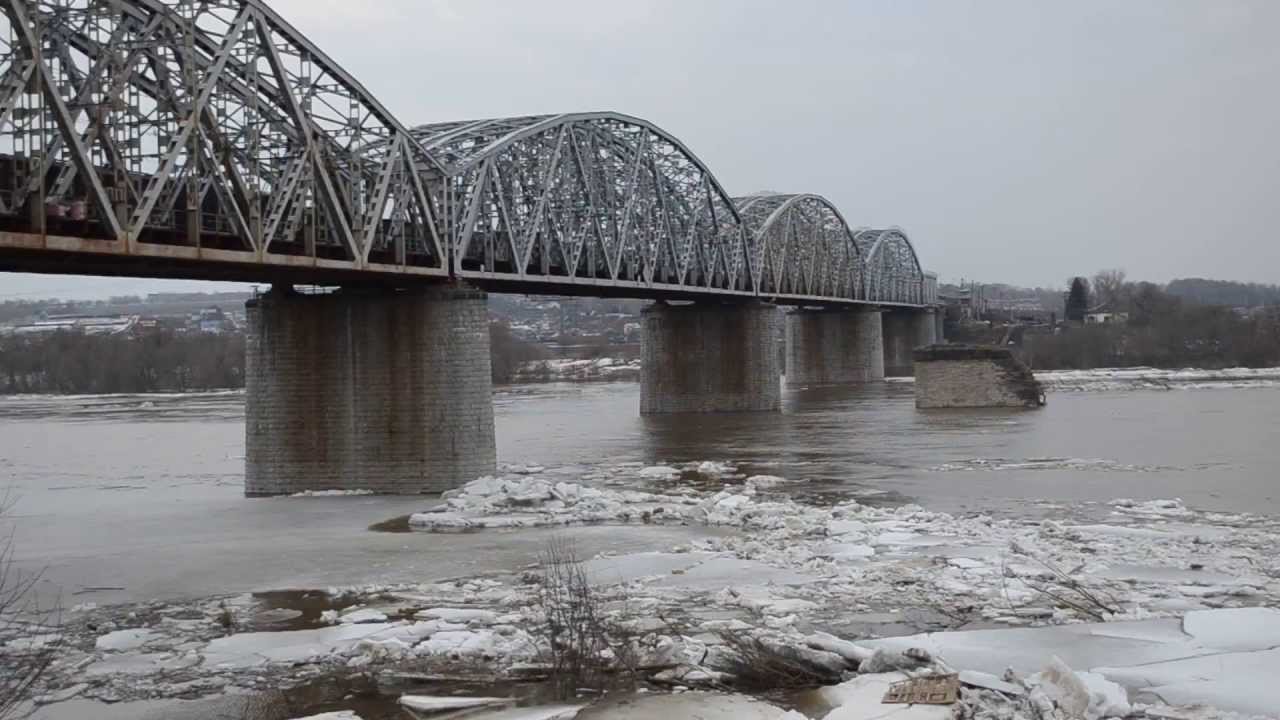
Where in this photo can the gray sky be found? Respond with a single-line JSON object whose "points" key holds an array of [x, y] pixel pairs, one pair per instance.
{"points": [[1015, 141]]}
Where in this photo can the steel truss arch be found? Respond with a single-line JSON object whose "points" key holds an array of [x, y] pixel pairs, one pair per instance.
{"points": [[804, 247], [211, 139], [893, 270], [598, 198], [205, 125]]}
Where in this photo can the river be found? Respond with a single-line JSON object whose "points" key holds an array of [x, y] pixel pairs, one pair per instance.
{"points": [[132, 498]]}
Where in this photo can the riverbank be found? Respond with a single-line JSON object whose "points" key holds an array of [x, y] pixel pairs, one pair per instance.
{"points": [[820, 581], [1095, 380]]}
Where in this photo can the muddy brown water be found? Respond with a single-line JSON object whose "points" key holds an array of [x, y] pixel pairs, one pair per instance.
{"points": [[132, 498]]}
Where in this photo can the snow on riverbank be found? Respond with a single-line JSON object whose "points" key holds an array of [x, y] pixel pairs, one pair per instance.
{"points": [[1101, 379], [1144, 378], [1153, 378], [791, 573], [567, 369]]}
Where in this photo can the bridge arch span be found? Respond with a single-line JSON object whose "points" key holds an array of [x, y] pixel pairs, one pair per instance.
{"points": [[804, 247], [200, 130], [893, 272], [593, 198]]}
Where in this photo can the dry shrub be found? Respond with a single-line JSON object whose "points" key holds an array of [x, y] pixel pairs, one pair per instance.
{"points": [[574, 630], [761, 666], [28, 634], [1066, 591]]}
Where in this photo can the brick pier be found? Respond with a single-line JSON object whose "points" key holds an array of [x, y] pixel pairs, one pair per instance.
{"points": [[834, 347], [710, 357], [379, 390]]}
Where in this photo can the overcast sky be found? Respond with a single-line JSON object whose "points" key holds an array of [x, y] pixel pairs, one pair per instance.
{"points": [[1015, 141]]}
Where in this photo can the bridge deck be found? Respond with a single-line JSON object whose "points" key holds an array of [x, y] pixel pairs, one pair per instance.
{"points": [[70, 255]]}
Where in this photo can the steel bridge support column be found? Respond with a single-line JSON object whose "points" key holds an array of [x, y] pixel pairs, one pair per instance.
{"points": [[367, 390], [904, 331], [834, 347], [705, 358]]}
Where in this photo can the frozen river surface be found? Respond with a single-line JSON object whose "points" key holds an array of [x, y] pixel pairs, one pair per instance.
{"points": [[127, 498]]}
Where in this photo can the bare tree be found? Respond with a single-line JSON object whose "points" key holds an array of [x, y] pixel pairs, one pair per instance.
{"points": [[1109, 287], [28, 634]]}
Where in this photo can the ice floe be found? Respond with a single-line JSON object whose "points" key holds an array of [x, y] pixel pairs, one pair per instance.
{"points": [[1179, 590]]}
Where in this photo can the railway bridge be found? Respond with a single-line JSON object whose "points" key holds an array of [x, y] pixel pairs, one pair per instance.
{"points": [[208, 139]]}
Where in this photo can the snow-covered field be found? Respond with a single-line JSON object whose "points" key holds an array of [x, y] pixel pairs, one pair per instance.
{"points": [[1158, 605]]}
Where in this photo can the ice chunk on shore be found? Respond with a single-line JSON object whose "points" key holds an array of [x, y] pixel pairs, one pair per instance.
{"points": [[339, 715], [484, 644], [1220, 658], [460, 616], [765, 481], [366, 615], [294, 646], [436, 704], [122, 640], [1082, 694], [1235, 628]]}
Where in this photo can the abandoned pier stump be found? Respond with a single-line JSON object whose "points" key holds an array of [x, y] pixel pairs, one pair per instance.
{"points": [[973, 376]]}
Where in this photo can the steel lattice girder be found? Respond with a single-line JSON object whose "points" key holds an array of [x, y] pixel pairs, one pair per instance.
{"points": [[588, 197], [804, 247], [196, 121], [892, 269], [211, 130]]}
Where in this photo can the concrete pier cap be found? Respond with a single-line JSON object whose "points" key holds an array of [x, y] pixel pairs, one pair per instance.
{"points": [[388, 391], [708, 357]]}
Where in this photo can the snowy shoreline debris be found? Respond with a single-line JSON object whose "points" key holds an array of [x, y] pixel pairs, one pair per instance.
{"points": [[606, 369], [826, 587], [1110, 379]]}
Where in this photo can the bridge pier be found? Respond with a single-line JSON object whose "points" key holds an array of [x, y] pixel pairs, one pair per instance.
{"points": [[904, 331], [388, 391], [834, 347], [707, 357]]}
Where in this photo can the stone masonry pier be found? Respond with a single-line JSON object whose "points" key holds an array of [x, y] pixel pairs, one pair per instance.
{"points": [[973, 376], [833, 347], [709, 357], [388, 391], [904, 331]]}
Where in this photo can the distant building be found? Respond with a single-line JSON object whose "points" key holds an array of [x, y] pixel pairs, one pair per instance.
{"points": [[212, 321], [966, 304], [1105, 318]]}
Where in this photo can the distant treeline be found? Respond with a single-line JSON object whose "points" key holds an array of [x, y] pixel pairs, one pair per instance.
{"points": [[161, 361], [1161, 330], [165, 361], [508, 352], [1223, 292]]}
